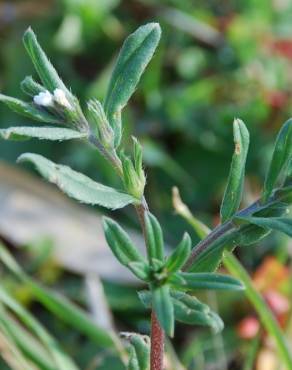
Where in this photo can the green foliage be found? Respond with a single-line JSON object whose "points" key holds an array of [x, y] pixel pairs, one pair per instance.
{"points": [[281, 157], [134, 56], [163, 307], [30, 87], [43, 66], [154, 238], [77, 185], [139, 352], [209, 281], [282, 224], [28, 110], [233, 193], [180, 255], [43, 133]]}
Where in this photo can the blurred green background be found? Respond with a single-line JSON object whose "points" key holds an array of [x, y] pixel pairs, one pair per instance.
{"points": [[217, 60]]}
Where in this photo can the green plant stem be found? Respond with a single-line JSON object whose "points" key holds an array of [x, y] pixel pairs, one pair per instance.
{"points": [[265, 314], [157, 333]]}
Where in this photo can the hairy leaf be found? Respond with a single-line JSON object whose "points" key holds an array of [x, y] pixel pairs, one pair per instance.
{"points": [[45, 133], [140, 352], [190, 310], [134, 56], [179, 256], [154, 238], [28, 110], [120, 243], [194, 281], [233, 192], [280, 159], [282, 224], [163, 308], [77, 185], [43, 66]]}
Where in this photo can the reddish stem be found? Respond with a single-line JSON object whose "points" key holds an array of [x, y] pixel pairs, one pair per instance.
{"points": [[157, 344]]}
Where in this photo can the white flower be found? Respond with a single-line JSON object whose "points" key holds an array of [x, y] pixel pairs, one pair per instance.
{"points": [[44, 99], [61, 99]]}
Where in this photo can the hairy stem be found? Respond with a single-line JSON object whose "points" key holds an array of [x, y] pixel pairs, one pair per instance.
{"points": [[157, 333]]}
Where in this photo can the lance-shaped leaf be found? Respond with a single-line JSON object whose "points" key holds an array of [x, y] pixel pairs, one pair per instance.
{"points": [[30, 87], [120, 243], [28, 110], [163, 307], [194, 281], [45, 133], [179, 256], [233, 192], [77, 185], [280, 159], [134, 56], [139, 352], [190, 310], [282, 224], [154, 238], [43, 66]]}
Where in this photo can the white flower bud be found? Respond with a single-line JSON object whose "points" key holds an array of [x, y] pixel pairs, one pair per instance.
{"points": [[61, 99], [44, 99]]}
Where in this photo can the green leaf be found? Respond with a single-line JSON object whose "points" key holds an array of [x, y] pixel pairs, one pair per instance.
{"points": [[194, 281], [282, 224], [140, 352], [187, 309], [163, 308], [77, 185], [134, 56], [30, 87], [280, 159], [62, 361], [28, 110], [43, 66], [140, 269], [45, 133], [233, 192], [120, 243], [179, 256], [154, 238], [190, 310]]}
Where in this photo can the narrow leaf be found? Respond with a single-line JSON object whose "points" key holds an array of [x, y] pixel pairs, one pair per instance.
{"points": [[194, 281], [77, 185], [190, 310], [140, 269], [140, 356], [233, 192], [28, 110], [134, 56], [154, 238], [163, 308], [120, 243], [45, 133], [282, 224], [43, 66], [280, 158], [30, 87], [179, 256]]}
